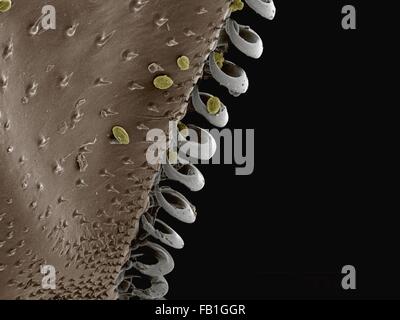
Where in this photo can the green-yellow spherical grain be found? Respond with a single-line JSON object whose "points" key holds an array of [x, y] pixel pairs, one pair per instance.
{"points": [[163, 82], [5, 5], [120, 135], [183, 63], [213, 105], [236, 5], [219, 59]]}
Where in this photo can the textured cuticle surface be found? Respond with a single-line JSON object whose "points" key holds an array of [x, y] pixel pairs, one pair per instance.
{"points": [[69, 197]]}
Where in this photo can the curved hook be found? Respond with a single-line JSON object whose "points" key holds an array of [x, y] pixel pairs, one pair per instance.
{"points": [[158, 288], [245, 39], [162, 232], [187, 174], [220, 119], [265, 8], [201, 146], [175, 204], [164, 265], [230, 76]]}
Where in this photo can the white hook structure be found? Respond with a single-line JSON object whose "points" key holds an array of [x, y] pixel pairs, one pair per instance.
{"points": [[230, 76], [187, 174], [165, 264], [265, 8], [220, 119], [162, 232], [175, 204], [158, 289], [245, 39], [202, 146]]}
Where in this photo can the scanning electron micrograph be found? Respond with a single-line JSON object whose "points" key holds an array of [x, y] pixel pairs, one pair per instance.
{"points": [[93, 99]]}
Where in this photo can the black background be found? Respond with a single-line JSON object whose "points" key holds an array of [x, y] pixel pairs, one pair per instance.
{"points": [[312, 204]]}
